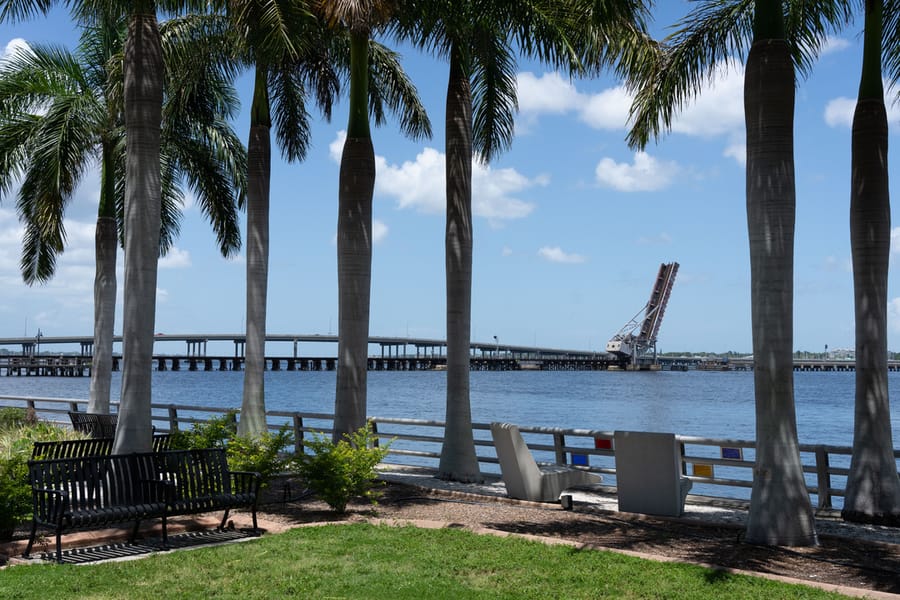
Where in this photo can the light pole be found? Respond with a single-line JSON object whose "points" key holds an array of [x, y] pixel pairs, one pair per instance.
{"points": [[496, 347]]}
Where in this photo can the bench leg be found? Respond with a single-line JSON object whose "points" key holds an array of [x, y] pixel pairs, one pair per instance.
{"points": [[224, 519], [134, 532], [165, 533], [30, 539], [59, 546]]}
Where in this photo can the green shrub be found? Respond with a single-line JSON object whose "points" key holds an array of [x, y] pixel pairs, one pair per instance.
{"points": [[15, 451], [264, 454], [13, 418], [345, 470]]}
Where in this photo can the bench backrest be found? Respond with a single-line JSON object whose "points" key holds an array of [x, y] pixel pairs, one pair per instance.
{"points": [[518, 468], [97, 425], [87, 447], [93, 482], [196, 473], [649, 473]]}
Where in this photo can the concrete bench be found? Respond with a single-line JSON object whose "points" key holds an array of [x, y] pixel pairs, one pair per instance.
{"points": [[523, 477], [649, 473]]}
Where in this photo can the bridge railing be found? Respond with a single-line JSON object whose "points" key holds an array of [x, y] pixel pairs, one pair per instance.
{"points": [[719, 468]]}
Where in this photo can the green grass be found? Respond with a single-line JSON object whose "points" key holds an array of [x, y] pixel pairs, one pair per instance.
{"points": [[366, 561]]}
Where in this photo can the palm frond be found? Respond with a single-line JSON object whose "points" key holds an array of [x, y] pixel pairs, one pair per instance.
{"points": [[13, 11], [289, 109], [494, 100], [390, 88], [710, 34]]}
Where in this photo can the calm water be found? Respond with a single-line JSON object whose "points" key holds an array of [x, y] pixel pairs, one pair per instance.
{"points": [[708, 404]]}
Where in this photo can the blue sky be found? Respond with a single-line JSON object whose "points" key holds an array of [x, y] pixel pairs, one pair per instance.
{"points": [[571, 225]]}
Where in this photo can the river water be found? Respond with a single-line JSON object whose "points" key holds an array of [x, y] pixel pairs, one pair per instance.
{"points": [[698, 403]]}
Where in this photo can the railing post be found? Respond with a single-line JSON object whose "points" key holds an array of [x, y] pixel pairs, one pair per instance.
{"points": [[823, 477], [298, 433], [559, 443], [73, 406], [374, 428], [173, 418]]}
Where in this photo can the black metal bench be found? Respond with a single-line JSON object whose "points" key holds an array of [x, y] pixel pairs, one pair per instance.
{"points": [[50, 450], [95, 491], [97, 425], [203, 483]]}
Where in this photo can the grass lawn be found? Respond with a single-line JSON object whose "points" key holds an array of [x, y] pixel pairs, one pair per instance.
{"points": [[367, 561]]}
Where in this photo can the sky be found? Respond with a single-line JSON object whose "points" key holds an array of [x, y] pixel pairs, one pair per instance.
{"points": [[570, 224]]}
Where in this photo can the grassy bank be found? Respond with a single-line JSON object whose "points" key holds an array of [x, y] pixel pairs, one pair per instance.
{"points": [[365, 561]]}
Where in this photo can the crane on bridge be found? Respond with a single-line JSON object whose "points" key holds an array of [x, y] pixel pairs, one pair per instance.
{"points": [[638, 337]]}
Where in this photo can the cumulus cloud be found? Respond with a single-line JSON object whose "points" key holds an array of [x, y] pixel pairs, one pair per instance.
{"points": [[419, 185], [834, 45], [645, 174], [507, 251], [839, 111], [556, 254], [379, 231], [175, 258], [12, 46], [718, 110]]}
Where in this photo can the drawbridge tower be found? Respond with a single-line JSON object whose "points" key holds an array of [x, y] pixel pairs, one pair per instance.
{"points": [[636, 341]]}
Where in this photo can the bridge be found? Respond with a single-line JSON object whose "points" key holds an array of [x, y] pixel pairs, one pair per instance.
{"points": [[38, 355]]}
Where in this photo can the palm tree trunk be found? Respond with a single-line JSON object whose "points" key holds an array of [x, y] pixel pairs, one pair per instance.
{"points": [[780, 509], [873, 488], [458, 459], [106, 245], [259, 166], [354, 250], [143, 116]]}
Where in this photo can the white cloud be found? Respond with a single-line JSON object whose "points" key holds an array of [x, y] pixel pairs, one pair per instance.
{"points": [[336, 148], [419, 185], [839, 111], [717, 111], [834, 264], [556, 254], [549, 93], [834, 45], [895, 240], [662, 238], [507, 251], [175, 258], [379, 231], [645, 174], [738, 151], [13, 45]]}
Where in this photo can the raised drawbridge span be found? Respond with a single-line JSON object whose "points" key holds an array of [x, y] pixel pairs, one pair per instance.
{"points": [[636, 340]]}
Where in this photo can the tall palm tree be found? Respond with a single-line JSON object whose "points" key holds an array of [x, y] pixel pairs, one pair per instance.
{"points": [[356, 188], [143, 95], [80, 97], [282, 42], [873, 487], [478, 39], [780, 511]]}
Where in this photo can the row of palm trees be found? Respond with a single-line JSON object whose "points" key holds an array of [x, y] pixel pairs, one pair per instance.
{"points": [[299, 49]]}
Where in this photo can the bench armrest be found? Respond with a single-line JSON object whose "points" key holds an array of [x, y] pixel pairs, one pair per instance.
{"points": [[246, 481]]}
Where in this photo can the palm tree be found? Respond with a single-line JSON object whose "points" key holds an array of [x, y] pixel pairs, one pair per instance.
{"points": [[780, 511], [873, 488], [477, 38], [356, 187], [80, 97], [282, 42]]}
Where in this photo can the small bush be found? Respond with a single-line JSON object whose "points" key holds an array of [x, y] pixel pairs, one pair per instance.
{"points": [[13, 418], [345, 470], [264, 454], [15, 450]]}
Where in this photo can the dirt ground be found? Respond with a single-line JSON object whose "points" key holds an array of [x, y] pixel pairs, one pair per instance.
{"points": [[840, 561]]}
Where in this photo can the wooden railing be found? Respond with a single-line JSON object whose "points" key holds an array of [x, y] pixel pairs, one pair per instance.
{"points": [[719, 468]]}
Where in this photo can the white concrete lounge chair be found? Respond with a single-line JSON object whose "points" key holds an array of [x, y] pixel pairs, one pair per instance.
{"points": [[523, 477], [649, 476]]}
